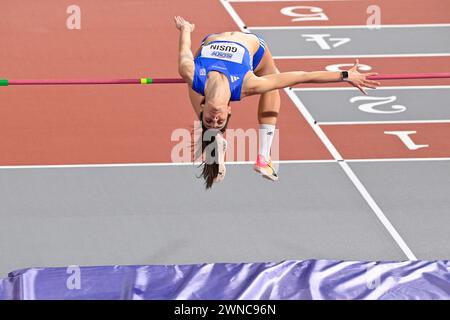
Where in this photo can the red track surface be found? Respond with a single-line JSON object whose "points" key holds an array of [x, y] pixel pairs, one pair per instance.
{"points": [[127, 124], [86, 125], [370, 141]]}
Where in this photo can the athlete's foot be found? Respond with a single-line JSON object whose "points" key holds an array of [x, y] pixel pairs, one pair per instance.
{"points": [[265, 168], [221, 149]]}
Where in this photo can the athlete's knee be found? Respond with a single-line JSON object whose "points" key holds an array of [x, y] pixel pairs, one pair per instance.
{"points": [[270, 101]]}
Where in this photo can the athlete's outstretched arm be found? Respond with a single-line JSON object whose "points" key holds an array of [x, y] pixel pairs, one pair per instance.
{"points": [[258, 85], [185, 57]]}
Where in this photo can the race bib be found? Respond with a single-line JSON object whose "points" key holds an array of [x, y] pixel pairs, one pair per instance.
{"points": [[227, 51]]}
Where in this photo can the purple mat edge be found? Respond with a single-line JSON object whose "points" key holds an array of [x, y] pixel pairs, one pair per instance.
{"points": [[292, 279]]}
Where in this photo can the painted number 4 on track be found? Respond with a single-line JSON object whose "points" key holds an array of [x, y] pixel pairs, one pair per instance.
{"points": [[326, 41]]}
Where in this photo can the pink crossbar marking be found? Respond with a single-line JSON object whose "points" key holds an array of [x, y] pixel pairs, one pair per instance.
{"points": [[24, 82]]}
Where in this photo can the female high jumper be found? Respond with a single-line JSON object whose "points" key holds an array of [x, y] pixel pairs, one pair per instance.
{"points": [[230, 66]]}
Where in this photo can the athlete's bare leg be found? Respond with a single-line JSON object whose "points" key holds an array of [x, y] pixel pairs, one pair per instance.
{"points": [[269, 102], [268, 110]]}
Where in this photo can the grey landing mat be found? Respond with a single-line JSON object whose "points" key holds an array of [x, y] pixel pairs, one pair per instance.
{"points": [[162, 215], [415, 197]]}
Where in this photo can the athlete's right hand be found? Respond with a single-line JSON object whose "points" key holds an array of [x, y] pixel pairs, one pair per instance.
{"points": [[181, 24]]}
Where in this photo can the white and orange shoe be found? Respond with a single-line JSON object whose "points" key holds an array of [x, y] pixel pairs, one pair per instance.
{"points": [[265, 168]]}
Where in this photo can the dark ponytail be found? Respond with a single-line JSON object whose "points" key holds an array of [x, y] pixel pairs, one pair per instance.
{"points": [[210, 164]]}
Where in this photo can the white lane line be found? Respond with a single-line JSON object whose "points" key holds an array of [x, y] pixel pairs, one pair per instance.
{"points": [[97, 165], [357, 183], [359, 26], [233, 14], [378, 212], [164, 164], [155, 164], [399, 55], [396, 159], [290, 0], [337, 123], [406, 87], [318, 131]]}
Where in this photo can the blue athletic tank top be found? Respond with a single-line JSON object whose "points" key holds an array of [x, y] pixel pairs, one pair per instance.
{"points": [[227, 57]]}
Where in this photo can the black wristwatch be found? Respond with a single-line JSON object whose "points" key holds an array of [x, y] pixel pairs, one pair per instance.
{"points": [[344, 75]]}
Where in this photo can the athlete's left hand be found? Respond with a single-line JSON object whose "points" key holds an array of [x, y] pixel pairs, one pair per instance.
{"points": [[359, 80]]}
